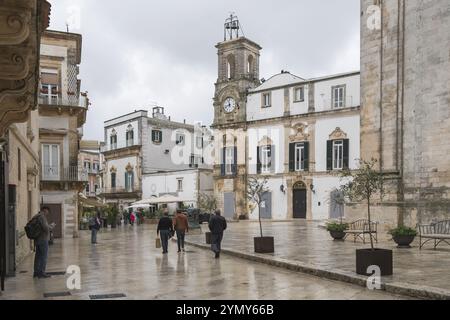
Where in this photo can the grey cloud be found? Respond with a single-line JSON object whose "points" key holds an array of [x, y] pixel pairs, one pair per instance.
{"points": [[175, 40]]}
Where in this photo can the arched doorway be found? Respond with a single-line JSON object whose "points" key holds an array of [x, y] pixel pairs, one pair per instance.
{"points": [[299, 199]]}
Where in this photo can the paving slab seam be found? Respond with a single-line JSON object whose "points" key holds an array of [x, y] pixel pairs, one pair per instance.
{"points": [[400, 288]]}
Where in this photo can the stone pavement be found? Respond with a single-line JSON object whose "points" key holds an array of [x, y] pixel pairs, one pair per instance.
{"points": [[305, 246], [126, 262]]}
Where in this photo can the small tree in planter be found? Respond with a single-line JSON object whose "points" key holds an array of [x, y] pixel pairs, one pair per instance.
{"points": [[364, 183], [256, 190]]}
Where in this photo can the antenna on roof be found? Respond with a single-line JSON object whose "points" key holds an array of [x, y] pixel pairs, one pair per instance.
{"points": [[67, 27]]}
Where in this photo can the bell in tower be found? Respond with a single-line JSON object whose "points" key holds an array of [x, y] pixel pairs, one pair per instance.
{"points": [[238, 71]]}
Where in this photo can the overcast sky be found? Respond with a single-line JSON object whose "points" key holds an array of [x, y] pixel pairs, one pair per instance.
{"points": [[140, 52]]}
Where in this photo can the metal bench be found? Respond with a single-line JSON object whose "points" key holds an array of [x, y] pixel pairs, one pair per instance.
{"points": [[360, 228], [438, 231]]}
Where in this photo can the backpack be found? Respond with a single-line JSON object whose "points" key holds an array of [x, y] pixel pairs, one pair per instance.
{"points": [[33, 229]]}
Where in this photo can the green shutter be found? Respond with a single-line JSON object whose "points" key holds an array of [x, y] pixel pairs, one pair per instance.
{"points": [[329, 155]]}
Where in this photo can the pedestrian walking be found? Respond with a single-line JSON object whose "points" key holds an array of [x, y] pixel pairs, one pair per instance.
{"points": [[41, 244], [217, 225], [132, 218], [181, 225], [165, 230], [94, 226]]}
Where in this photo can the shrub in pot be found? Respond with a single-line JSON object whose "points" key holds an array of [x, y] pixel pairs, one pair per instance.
{"points": [[363, 184], [337, 230], [403, 236], [255, 192]]}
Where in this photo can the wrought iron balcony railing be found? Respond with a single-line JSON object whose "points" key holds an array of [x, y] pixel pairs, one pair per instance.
{"points": [[68, 174], [121, 190]]}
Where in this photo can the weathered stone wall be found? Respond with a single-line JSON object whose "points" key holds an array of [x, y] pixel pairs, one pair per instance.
{"points": [[405, 88]]}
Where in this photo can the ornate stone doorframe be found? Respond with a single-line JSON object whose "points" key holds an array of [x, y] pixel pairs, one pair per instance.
{"points": [[296, 182]]}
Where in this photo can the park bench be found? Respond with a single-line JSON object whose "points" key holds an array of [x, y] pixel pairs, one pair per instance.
{"points": [[360, 228], [438, 231]]}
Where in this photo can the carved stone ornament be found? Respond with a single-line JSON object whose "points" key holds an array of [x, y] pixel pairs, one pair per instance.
{"points": [[113, 169], [338, 134], [300, 134], [265, 141], [129, 167], [21, 25]]}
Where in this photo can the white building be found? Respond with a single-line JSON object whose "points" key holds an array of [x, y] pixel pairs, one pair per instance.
{"points": [[138, 146], [298, 133]]}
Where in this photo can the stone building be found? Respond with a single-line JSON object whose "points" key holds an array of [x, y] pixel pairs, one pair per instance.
{"points": [[137, 145], [298, 133], [405, 113], [21, 25], [62, 114], [90, 160]]}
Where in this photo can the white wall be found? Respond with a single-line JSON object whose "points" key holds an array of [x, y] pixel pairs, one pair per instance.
{"points": [[322, 92], [121, 131], [256, 112], [350, 125], [279, 200], [120, 165], [255, 134]]}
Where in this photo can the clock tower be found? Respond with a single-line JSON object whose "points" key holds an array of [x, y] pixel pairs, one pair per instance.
{"points": [[238, 61]]}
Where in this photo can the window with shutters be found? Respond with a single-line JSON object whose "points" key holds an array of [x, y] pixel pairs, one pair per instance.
{"points": [[180, 184], [229, 161], [157, 136], [338, 95], [299, 94], [266, 159], [266, 100], [130, 136], [113, 180], [180, 139], [338, 154], [50, 162], [300, 157], [129, 183], [113, 140], [199, 142]]}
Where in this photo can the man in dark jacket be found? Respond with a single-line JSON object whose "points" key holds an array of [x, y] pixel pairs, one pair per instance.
{"points": [[41, 245], [217, 225], [165, 229]]}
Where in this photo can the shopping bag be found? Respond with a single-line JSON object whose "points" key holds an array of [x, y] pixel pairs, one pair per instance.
{"points": [[158, 243]]}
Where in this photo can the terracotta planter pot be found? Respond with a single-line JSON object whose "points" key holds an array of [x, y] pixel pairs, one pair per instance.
{"points": [[337, 235], [208, 237], [264, 245], [404, 241], [377, 257]]}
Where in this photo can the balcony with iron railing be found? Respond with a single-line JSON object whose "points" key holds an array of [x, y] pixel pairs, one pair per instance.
{"points": [[66, 174], [119, 145], [121, 190], [81, 101]]}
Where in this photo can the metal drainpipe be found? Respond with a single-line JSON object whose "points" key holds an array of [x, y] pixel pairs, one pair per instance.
{"points": [[381, 87]]}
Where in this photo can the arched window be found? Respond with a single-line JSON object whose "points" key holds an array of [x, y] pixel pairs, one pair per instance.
{"points": [[130, 136], [230, 67], [250, 66]]}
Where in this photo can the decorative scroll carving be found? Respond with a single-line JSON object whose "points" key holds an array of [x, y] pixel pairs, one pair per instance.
{"points": [[14, 25], [21, 24], [300, 134], [338, 134], [129, 167]]}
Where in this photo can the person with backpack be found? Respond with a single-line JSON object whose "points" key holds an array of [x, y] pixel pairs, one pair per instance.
{"points": [[94, 226], [38, 230]]}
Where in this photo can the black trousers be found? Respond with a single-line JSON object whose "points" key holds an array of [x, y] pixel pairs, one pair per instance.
{"points": [[216, 242]]}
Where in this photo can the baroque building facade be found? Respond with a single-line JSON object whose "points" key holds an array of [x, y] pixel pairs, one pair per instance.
{"points": [[21, 25], [405, 120], [62, 114], [298, 133]]}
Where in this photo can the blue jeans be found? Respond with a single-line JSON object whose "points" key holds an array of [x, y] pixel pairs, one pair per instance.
{"points": [[94, 235], [216, 242], [164, 240], [180, 239], [40, 258]]}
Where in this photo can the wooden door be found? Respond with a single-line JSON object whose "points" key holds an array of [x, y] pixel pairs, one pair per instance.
{"points": [[299, 203]]}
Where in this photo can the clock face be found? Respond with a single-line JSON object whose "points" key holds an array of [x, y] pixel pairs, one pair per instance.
{"points": [[229, 105]]}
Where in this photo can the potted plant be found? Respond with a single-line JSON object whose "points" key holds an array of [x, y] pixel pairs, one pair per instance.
{"points": [[403, 236], [337, 230], [207, 203], [256, 190], [363, 184]]}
